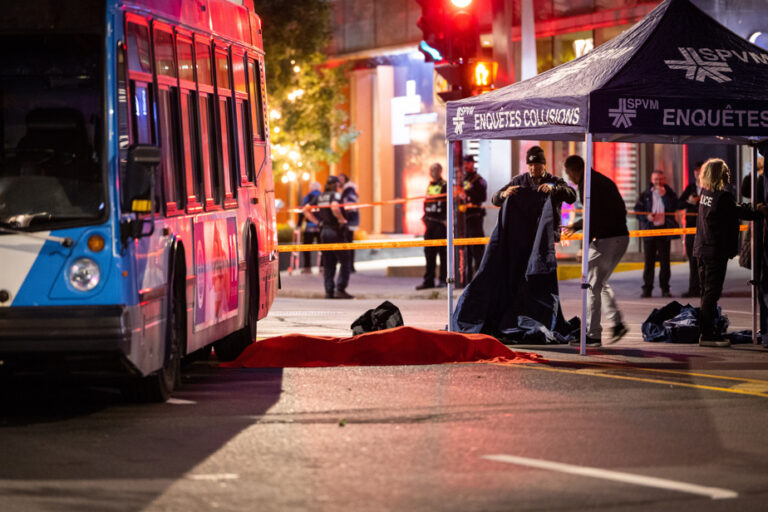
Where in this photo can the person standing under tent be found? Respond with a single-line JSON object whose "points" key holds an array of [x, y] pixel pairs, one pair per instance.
{"points": [[349, 196], [435, 228], [311, 232], [656, 207], [717, 241], [475, 192], [540, 180], [761, 257], [609, 239], [689, 201], [331, 219]]}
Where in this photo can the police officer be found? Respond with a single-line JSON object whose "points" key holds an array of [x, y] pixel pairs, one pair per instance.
{"points": [[474, 195], [332, 223], [435, 224]]}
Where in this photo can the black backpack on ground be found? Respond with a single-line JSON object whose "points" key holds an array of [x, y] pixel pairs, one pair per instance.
{"points": [[385, 316]]}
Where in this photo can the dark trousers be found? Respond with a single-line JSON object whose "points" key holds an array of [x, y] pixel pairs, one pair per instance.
{"points": [[330, 258], [711, 275], [435, 231], [656, 247], [694, 286], [474, 252], [349, 237], [308, 237]]}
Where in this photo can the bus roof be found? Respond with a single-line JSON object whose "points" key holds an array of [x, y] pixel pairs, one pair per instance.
{"points": [[231, 19]]}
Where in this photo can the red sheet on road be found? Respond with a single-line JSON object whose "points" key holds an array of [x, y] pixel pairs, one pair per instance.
{"points": [[396, 346]]}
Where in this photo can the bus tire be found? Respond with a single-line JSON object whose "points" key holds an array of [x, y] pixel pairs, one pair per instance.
{"points": [[158, 386], [230, 347]]}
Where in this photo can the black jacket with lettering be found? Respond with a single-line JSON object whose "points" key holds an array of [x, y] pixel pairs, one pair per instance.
{"points": [[561, 193], [434, 209], [717, 231], [608, 213]]}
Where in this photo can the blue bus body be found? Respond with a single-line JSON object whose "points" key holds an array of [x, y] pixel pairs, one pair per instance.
{"points": [[89, 282]]}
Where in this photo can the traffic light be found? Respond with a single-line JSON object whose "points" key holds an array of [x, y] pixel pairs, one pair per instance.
{"points": [[482, 74], [461, 30], [432, 25]]}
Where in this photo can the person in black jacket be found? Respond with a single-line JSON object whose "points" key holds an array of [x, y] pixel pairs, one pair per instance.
{"points": [[656, 208], [717, 241], [539, 179], [609, 239], [475, 192], [435, 227], [349, 200], [331, 219], [689, 201]]}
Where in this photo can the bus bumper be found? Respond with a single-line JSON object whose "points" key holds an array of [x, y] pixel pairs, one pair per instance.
{"points": [[90, 339]]}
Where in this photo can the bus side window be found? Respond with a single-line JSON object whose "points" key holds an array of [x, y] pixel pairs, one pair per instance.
{"points": [[189, 128], [243, 116], [140, 83], [257, 102], [227, 126], [168, 119], [208, 143]]}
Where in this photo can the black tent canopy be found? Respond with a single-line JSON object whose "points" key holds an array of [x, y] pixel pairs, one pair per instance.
{"points": [[676, 77]]}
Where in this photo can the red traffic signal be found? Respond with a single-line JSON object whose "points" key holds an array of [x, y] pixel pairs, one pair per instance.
{"points": [[461, 28]]}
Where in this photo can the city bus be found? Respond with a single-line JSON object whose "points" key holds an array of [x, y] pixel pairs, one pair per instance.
{"points": [[137, 217]]}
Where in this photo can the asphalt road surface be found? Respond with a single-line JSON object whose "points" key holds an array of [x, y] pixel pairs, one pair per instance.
{"points": [[633, 426]]}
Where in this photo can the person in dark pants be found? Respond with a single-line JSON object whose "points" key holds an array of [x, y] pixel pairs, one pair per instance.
{"points": [[609, 239], [435, 227], [717, 241], [311, 232], [330, 217], [349, 196], [761, 255], [657, 206], [475, 192], [689, 201]]}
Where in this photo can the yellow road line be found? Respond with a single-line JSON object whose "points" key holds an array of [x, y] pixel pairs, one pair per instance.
{"points": [[602, 373], [676, 372]]}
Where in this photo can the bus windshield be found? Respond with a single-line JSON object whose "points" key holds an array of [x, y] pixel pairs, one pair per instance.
{"points": [[51, 121]]}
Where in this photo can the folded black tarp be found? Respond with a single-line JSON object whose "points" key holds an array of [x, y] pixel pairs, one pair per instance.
{"points": [[514, 294], [675, 323]]}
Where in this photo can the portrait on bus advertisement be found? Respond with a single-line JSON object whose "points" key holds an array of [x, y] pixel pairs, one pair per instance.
{"points": [[216, 270]]}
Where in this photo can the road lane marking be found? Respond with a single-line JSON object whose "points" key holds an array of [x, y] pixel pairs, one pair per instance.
{"points": [[715, 493], [214, 477], [179, 401], [676, 372], [602, 373]]}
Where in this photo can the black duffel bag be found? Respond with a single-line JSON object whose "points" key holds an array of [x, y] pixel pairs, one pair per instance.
{"points": [[385, 316]]}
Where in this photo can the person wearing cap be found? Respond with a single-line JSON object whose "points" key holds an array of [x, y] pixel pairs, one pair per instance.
{"points": [[540, 180], [608, 242], [475, 192], [331, 219]]}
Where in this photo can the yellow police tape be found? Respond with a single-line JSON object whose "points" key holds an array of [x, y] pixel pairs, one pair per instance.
{"points": [[442, 242]]}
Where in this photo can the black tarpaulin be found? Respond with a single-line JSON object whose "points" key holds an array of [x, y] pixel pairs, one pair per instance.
{"points": [[514, 294], [677, 76]]}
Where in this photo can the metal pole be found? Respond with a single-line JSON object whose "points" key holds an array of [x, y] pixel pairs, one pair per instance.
{"points": [[585, 245], [449, 235], [753, 248]]}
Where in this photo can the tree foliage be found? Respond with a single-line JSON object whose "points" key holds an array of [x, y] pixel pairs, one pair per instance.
{"points": [[303, 91]]}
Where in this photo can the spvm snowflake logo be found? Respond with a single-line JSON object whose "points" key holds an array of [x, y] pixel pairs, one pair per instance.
{"points": [[458, 122], [622, 116], [699, 69]]}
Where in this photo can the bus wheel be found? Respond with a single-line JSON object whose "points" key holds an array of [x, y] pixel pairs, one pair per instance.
{"points": [[230, 347], [157, 386]]}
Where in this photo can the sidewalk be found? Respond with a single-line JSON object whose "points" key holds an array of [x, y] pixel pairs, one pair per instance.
{"points": [[371, 282]]}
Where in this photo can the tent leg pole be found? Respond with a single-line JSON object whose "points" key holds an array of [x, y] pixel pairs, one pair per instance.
{"points": [[449, 234], [753, 249], [585, 245]]}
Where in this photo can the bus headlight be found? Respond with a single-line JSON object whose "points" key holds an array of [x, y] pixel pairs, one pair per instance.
{"points": [[84, 274]]}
